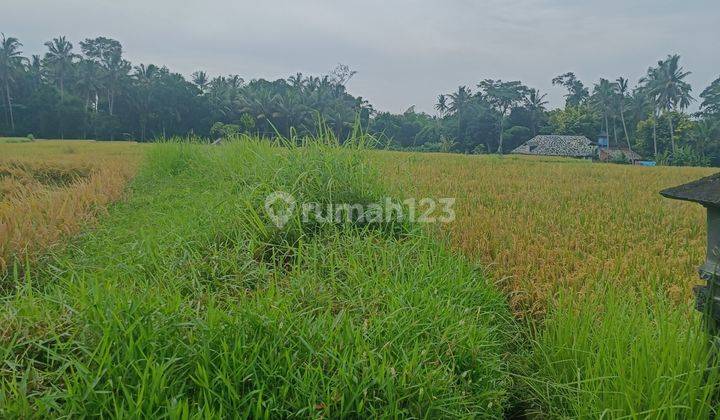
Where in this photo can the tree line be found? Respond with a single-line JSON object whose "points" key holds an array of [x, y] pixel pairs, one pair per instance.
{"points": [[649, 118], [92, 91]]}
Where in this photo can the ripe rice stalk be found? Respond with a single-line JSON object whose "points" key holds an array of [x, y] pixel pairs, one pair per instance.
{"points": [[50, 190]]}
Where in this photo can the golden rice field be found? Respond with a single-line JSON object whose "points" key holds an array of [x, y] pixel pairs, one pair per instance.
{"points": [[541, 224], [50, 189]]}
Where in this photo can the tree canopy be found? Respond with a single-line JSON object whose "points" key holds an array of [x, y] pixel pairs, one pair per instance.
{"points": [[94, 92]]}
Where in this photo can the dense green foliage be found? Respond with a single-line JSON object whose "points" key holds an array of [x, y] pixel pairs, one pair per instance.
{"points": [[98, 94], [611, 355], [188, 302], [499, 116]]}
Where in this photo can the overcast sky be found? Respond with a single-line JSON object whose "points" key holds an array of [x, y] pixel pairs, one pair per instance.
{"points": [[405, 52]]}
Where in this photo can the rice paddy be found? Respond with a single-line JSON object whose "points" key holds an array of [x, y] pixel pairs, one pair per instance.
{"points": [[599, 266], [548, 224], [51, 189], [184, 300]]}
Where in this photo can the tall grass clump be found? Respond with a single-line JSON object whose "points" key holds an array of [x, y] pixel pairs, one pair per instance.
{"points": [[617, 356], [188, 301]]}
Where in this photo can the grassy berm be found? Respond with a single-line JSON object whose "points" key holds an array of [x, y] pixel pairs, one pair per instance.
{"points": [[188, 302]]}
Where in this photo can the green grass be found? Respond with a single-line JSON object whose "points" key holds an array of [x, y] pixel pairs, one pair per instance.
{"points": [[614, 355], [188, 302]]}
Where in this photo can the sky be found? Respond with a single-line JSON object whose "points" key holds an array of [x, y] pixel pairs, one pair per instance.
{"points": [[405, 52]]}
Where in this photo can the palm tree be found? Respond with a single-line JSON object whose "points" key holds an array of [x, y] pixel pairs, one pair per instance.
{"points": [[235, 81], [705, 132], [442, 105], [10, 61], [535, 103], [222, 99], [260, 104], [459, 102], [603, 98], [88, 80], [672, 91], [59, 60], [621, 89], [291, 108], [88, 85], [642, 104], [145, 77], [116, 72], [711, 98], [646, 89], [35, 70], [200, 78], [297, 80]]}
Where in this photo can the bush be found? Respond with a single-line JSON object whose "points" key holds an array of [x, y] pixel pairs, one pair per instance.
{"points": [[225, 131], [480, 149], [683, 156]]}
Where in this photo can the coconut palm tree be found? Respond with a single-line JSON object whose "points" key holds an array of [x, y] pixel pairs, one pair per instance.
{"points": [[293, 110], [260, 104], [441, 104], [87, 84], [705, 131], [642, 104], [145, 76], [59, 60], [603, 98], [200, 78], [667, 84], [297, 80], [10, 62], [459, 100], [235, 81], [116, 72], [88, 81], [459, 103], [646, 89], [35, 70], [621, 90], [535, 103]]}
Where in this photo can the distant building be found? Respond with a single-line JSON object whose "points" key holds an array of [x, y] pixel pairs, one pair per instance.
{"points": [[603, 140], [613, 154], [557, 145]]}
